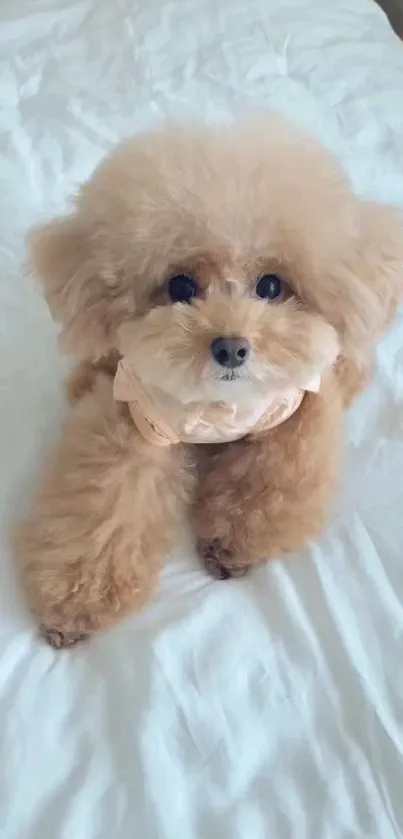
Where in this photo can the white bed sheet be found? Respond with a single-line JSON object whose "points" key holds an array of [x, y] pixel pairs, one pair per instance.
{"points": [[261, 709]]}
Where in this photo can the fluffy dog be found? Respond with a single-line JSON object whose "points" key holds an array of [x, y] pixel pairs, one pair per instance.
{"points": [[236, 258]]}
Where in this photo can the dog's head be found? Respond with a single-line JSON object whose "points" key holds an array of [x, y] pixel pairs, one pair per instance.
{"points": [[229, 257]]}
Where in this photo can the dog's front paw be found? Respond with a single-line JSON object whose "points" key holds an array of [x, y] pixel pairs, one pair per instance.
{"points": [[219, 561], [61, 640]]}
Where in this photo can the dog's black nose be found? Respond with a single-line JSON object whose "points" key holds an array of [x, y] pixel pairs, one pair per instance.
{"points": [[230, 352]]}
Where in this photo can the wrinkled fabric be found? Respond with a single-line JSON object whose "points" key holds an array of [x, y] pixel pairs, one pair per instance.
{"points": [[163, 420], [266, 708]]}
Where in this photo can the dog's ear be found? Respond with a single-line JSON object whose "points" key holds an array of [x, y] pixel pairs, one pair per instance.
{"points": [[81, 290], [368, 281]]}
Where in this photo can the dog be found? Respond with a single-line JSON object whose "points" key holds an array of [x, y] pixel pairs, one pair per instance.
{"points": [[226, 265]]}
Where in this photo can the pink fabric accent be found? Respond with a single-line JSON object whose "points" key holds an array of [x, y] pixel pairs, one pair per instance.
{"points": [[213, 422]]}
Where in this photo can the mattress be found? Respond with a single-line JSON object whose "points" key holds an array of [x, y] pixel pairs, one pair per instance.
{"points": [[266, 708]]}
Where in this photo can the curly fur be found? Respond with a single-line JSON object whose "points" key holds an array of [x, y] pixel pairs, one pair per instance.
{"points": [[227, 206]]}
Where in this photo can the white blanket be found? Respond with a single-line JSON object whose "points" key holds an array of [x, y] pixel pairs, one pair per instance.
{"points": [[266, 708]]}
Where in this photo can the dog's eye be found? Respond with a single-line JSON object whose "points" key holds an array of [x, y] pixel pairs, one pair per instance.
{"points": [[182, 288], [270, 287]]}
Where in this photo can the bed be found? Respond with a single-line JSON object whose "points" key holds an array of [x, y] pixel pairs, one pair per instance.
{"points": [[266, 708]]}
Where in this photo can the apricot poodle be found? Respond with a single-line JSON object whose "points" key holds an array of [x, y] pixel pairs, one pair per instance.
{"points": [[234, 262]]}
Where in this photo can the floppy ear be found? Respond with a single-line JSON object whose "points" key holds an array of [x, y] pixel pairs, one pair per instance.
{"points": [[369, 288], [81, 290]]}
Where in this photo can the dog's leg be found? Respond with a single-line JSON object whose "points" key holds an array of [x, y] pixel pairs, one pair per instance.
{"points": [[93, 544], [266, 496]]}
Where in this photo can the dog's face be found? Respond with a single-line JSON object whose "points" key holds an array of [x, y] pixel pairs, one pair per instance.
{"points": [[228, 261], [224, 328]]}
